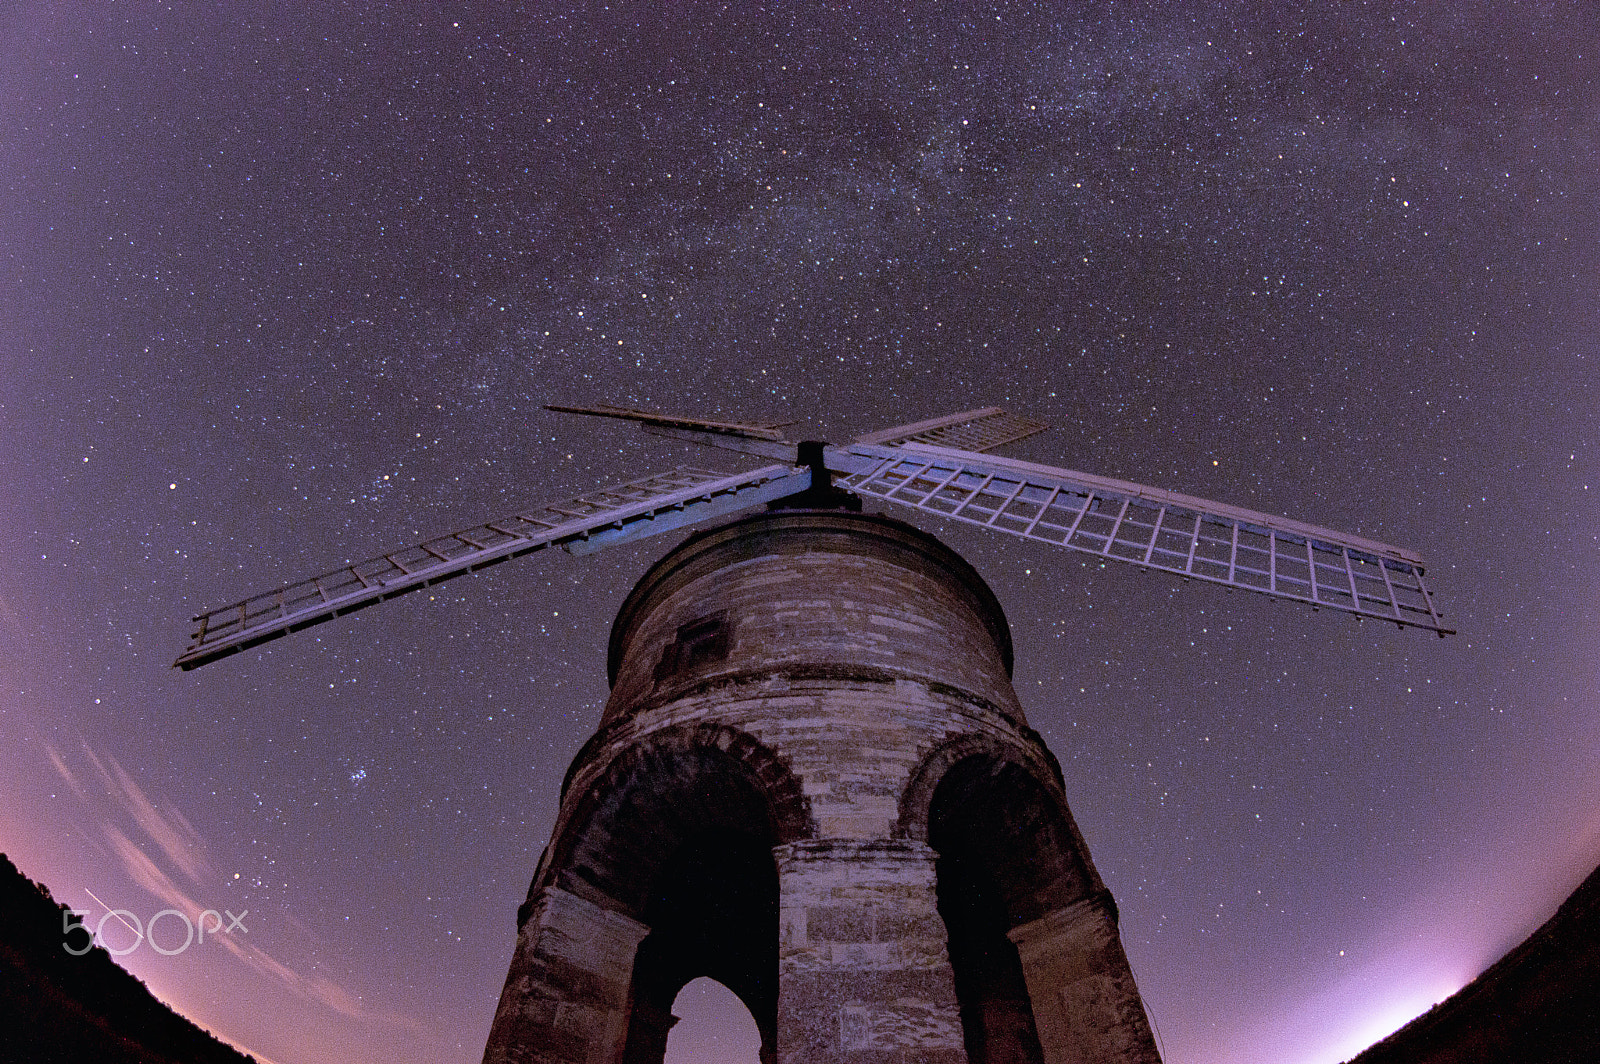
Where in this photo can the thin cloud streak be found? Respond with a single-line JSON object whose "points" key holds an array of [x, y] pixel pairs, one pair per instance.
{"points": [[175, 839]]}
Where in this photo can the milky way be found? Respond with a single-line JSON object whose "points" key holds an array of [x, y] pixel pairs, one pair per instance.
{"points": [[287, 288]]}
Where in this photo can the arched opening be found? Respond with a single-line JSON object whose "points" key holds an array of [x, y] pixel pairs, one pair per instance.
{"points": [[713, 1027], [676, 836], [612, 841], [712, 912], [661, 871], [1006, 857]]}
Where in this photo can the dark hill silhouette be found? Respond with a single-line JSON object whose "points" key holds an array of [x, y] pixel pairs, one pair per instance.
{"points": [[59, 1009], [1539, 1004]]}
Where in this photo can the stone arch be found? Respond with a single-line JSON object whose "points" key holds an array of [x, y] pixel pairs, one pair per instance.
{"points": [[735, 775], [675, 832], [713, 912], [1008, 855], [992, 808], [917, 796]]}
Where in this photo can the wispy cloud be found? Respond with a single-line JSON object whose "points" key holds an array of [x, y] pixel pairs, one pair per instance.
{"points": [[64, 772], [317, 988], [172, 833], [167, 858]]}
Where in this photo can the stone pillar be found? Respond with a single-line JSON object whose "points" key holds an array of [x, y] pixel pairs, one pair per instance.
{"points": [[647, 1033], [863, 974], [566, 995], [1085, 1005]]}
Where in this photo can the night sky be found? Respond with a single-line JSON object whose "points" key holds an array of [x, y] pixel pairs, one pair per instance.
{"points": [[286, 285]]}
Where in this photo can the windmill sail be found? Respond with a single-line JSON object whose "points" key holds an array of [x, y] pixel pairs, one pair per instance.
{"points": [[1148, 527], [974, 430], [748, 430], [978, 430], [936, 466], [645, 507]]}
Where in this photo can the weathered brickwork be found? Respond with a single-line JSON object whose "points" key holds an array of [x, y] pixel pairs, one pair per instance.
{"points": [[814, 783], [569, 980]]}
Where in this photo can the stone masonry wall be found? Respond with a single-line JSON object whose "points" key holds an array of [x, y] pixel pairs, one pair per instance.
{"points": [[840, 664]]}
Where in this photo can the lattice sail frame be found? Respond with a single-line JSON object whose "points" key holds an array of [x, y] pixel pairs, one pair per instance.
{"points": [[1151, 528], [937, 466], [974, 430], [644, 507]]}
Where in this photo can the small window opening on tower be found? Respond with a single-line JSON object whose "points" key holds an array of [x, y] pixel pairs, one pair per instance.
{"points": [[699, 642]]}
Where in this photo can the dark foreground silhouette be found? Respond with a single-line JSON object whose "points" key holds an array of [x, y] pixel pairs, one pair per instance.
{"points": [[1539, 1004], [62, 1009]]}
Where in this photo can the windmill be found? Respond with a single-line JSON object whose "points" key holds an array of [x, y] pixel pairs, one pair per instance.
{"points": [[938, 466], [813, 780]]}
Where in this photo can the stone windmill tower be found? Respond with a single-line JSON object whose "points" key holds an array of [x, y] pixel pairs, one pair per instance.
{"points": [[813, 781]]}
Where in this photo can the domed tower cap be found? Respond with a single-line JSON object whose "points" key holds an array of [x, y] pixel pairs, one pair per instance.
{"points": [[865, 544]]}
